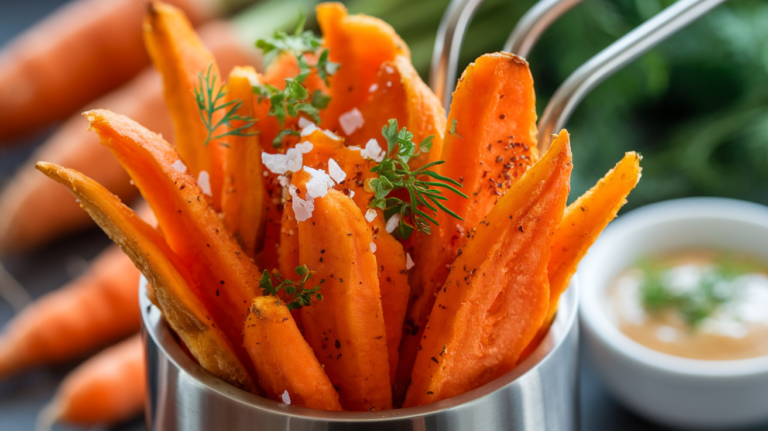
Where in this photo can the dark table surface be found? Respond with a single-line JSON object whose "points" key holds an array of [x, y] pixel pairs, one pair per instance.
{"points": [[22, 397]]}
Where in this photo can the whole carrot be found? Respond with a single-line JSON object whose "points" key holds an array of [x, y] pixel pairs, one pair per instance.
{"points": [[95, 309], [108, 388], [25, 222], [83, 50]]}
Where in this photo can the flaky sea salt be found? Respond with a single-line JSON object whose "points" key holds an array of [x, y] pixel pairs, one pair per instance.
{"points": [[371, 214], [351, 121], [373, 151], [392, 223], [286, 398], [308, 129], [335, 171], [372, 247], [331, 135], [283, 180], [302, 209], [318, 185], [408, 261], [304, 147], [389, 69], [204, 181], [354, 148], [373, 87], [389, 83], [291, 161], [303, 122], [179, 166], [351, 194]]}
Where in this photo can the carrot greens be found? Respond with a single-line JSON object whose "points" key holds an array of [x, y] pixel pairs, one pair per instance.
{"points": [[210, 99]]}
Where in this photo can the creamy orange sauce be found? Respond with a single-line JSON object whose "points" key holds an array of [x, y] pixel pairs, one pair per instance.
{"points": [[736, 330]]}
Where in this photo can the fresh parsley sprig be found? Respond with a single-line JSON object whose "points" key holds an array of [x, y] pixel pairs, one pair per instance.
{"points": [[295, 98], [210, 99], [395, 174], [301, 295]]}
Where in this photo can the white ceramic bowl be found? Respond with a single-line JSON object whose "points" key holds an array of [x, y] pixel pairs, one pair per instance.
{"points": [[671, 390]]}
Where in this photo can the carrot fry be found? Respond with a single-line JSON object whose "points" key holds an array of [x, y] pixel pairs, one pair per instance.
{"points": [[106, 389], [180, 56], [360, 44], [180, 298], [25, 222], [399, 93], [496, 296], [243, 195], [493, 142], [346, 328], [192, 229], [582, 223], [65, 61], [285, 364], [97, 308]]}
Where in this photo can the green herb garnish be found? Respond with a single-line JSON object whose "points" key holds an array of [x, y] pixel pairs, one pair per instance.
{"points": [[717, 286], [210, 99], [395, 174], [453, 129], [301, 296], [295, 98]]}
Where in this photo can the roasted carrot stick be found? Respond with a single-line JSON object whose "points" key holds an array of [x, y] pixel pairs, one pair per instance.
{"points": [[287, 369], [493, 142], [192, 229], [582, 223], [180, 298], [24, 221], [108, 388], [97, 308], [496, 296], [244, 190], [399, 93], [360, 44], [187, 66], [346, 328], [83, 50]]}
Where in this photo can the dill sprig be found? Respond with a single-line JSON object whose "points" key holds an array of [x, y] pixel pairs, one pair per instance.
{"points": [[717, 286], [210, 99], [301, 295], [295, 98], [395, 174]]}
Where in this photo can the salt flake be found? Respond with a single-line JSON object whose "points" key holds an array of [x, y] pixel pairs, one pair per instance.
{"points": [[372, 247], [291, 161], [303, 122], [204, 181], [371, 214], [302, 209], [335, 171], [373, 87], [304, 147], [408, 261], [351, 121], [351, 194], [373, 151], [308, 129], [286, 398], [179, 166], [389, 69], [392, 223], [283, 180], [332, 135], [318, 185]]}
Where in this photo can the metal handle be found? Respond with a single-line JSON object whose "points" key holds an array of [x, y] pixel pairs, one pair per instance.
{"points": [[445, 56], [617, 55], [531, 26]]}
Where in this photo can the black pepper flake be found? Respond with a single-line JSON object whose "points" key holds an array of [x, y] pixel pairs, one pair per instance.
{"points": [[502, 116], [285, 319], [321, 258], [222, 281], [341, 280], [217, 292], [499, 159], [322, 251], [521, 229], [430, 392], [338, 344], [182, 187], [434, 359]]}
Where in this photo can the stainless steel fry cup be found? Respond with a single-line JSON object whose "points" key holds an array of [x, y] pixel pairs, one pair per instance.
{"points": [[540, 394]]}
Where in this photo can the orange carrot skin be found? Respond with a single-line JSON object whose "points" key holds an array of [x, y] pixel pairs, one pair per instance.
{"points": [[284, 361], [582, 223], [180, 56], [346, 328], [179, 297], [493, 144], [25, 222], [191, 227], [82, 51], [243, 195], [360, 44], [399, 93], [497, 295], [97, 308], [106, 389]]}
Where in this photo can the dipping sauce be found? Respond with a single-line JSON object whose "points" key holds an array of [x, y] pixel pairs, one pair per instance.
{"points": [[695, 304]]}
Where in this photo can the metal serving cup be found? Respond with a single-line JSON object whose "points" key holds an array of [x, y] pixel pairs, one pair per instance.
{"points": [[540, 394]]}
